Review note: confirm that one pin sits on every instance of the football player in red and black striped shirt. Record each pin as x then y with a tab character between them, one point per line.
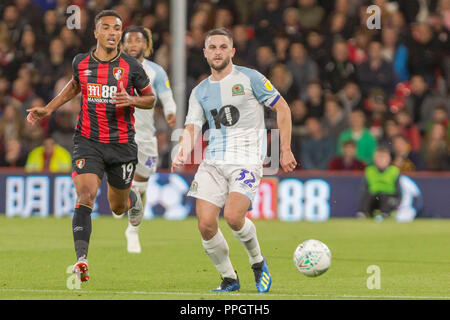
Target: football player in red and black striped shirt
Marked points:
104	134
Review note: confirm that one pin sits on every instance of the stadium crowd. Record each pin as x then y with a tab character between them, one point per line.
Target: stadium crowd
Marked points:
350	88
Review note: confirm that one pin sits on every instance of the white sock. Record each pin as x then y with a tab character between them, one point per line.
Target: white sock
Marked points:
133	228
247	236
217	250
140	186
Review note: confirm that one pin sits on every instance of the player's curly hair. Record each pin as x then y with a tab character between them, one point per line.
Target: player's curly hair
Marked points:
147	35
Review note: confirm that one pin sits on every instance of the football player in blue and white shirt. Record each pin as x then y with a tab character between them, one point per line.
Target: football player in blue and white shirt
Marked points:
232	101
137	42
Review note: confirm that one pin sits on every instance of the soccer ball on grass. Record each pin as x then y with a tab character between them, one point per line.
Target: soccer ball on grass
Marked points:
312	258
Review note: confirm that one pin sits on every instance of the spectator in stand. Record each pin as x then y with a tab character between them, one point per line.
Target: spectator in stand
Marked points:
348	161
381	187
4	89
440	115
303	68
317	48
32	136
377	110
245	47
416	10
365	141
408	129
424	53
339	69
30	13
338	25
317	149
350	97
50	156
28	50
421	102
390	130
22	95
11	125
51	27
334	121
395	52
310	14
299	116
358	46
406	159
268	20
376	72
196	64
72	42
282	79
14	155
314	99
15	25
291	23
52	68
282	44
436	149
265	59
9	62
61	128
223	18
444	11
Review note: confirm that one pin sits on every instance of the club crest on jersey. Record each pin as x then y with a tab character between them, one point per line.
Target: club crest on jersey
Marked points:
237	90
118	73
80	163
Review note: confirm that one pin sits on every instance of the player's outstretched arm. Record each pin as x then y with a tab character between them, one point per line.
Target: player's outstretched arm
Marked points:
123	99
187	140
71	89
284	123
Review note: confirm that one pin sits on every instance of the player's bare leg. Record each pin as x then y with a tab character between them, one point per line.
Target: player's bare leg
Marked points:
125	200
86	186
216	247
244	230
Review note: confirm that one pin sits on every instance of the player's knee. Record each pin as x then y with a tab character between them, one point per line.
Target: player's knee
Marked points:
234	221
207	228
86	196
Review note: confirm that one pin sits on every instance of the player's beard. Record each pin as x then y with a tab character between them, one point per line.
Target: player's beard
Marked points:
220	67
139	55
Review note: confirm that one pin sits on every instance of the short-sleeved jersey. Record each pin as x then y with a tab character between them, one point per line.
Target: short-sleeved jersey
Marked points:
145	129
99	119
233	108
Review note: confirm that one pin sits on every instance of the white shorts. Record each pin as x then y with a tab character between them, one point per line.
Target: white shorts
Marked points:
147	161
214	182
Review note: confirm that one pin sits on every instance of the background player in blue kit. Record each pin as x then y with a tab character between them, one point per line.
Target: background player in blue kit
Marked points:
232	101
137	42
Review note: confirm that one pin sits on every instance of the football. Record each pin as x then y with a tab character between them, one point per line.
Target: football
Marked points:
312	258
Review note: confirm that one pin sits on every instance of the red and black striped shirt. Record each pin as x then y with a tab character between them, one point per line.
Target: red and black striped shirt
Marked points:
99	119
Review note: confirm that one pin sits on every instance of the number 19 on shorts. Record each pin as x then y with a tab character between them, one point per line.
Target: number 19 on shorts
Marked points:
127	172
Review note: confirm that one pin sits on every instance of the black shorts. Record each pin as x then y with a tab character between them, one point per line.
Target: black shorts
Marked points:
118	160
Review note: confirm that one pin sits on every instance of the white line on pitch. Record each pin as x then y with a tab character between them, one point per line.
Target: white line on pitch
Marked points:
268	295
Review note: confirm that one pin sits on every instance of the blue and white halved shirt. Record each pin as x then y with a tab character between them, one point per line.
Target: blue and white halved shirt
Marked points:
234	110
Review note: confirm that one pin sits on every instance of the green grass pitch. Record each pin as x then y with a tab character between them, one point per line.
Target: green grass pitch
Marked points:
35	253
